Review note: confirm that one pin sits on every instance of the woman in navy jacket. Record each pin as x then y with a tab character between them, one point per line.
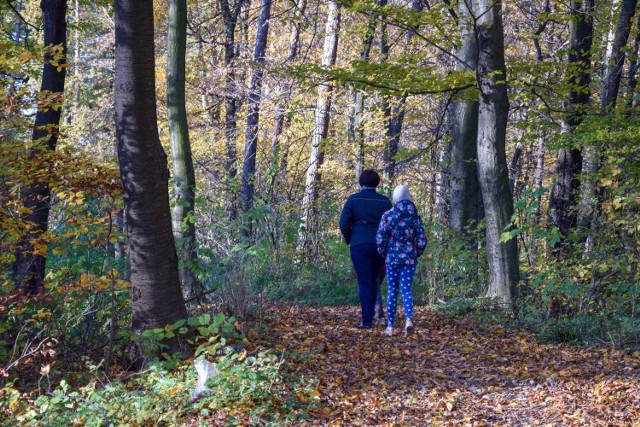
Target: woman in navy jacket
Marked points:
358	224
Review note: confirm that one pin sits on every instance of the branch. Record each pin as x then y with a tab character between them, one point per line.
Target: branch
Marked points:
401	90
424	38
17	12
200	295
437	136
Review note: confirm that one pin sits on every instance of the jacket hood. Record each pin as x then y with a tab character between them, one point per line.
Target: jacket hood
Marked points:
405	208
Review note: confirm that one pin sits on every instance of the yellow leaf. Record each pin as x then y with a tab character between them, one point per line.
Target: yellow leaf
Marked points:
58	251
45	370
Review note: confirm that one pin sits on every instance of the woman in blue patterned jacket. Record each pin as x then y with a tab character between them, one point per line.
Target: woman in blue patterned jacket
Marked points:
401	240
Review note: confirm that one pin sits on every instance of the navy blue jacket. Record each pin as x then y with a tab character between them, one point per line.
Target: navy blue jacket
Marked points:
361	216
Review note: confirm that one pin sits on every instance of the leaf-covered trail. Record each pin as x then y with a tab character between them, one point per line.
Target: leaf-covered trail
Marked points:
452	373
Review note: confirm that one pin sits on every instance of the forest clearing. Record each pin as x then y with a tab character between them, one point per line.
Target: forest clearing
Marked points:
211	212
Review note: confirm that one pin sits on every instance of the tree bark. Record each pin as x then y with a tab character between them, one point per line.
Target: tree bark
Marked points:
492	162
443	186
183	215
29	265
155	286
516	168
465	188
632	78
255	94
538	176
562	212
321	128
587	207
230	14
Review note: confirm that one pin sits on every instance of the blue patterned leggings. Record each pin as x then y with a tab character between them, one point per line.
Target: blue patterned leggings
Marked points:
399	276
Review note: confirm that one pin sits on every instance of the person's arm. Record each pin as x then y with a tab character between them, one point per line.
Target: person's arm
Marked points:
346	221
421	237
382	235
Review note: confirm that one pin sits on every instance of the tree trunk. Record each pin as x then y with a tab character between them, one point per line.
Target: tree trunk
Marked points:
255	94
538	176
632	78
516	168
321	127
492	162
278	156
119	252
587	207
230	15
29	265
394	115
184	227
562	213
155	286
355	131
443	186
465	187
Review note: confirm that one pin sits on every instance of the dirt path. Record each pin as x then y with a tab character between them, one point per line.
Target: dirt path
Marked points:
452	373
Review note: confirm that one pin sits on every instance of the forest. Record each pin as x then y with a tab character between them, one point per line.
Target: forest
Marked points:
172	177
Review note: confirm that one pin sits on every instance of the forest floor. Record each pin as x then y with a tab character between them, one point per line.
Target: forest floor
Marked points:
451	372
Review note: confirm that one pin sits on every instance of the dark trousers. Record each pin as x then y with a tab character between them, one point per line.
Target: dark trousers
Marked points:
367	263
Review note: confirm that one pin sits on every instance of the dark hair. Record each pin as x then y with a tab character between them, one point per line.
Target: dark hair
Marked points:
369	178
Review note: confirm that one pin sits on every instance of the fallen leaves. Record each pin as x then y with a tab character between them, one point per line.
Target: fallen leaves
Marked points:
451	373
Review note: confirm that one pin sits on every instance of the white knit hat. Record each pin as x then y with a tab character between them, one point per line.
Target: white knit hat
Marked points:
401	192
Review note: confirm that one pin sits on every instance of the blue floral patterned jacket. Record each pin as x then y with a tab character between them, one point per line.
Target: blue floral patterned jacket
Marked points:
400	237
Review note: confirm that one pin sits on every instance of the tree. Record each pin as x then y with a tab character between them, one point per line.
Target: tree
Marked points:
29	265
355	131
281	114
230	13
562	212
394	114
465	188
492	163
155	286
632	79
608	98
255	94
321	127
183	215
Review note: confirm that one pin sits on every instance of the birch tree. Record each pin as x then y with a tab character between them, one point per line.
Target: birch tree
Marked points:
321	126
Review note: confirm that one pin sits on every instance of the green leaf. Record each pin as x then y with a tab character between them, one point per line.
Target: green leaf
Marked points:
178	324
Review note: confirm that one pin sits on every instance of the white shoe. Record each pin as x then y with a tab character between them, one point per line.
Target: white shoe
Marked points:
389	332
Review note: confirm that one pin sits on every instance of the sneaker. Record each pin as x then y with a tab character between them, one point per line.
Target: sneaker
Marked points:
389	332
409	328
363	326
380	321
